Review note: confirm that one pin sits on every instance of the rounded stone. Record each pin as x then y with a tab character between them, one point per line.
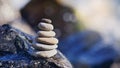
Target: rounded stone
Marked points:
46	20
50	41
45	54
45	26
44	47
46	33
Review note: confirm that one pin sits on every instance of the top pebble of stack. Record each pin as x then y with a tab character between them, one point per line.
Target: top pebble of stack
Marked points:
46	20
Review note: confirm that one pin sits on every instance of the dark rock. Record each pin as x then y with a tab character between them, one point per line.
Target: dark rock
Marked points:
15	48
63	18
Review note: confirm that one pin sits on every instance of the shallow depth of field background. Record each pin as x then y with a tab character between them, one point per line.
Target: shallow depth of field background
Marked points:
88	30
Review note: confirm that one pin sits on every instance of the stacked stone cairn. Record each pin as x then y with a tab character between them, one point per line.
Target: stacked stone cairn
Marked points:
45	42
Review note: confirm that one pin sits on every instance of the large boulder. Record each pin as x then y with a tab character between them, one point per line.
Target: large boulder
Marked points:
15	48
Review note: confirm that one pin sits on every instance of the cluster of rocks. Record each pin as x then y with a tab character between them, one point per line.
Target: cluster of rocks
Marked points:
21	50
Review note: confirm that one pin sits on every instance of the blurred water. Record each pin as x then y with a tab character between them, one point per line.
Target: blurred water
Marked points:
88	47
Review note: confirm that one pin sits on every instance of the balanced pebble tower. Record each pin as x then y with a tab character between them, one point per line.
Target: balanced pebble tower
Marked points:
45	43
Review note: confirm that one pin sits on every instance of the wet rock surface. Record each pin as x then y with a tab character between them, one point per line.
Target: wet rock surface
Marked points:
15	49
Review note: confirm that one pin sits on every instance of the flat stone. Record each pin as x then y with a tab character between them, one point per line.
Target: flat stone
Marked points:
45	26
46	20
50	41
46	33
45	54
44	47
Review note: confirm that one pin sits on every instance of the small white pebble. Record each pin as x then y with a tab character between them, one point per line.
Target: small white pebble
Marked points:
50	41
46	20
45	54
46	33
45	26
44	47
